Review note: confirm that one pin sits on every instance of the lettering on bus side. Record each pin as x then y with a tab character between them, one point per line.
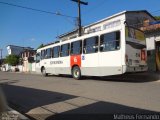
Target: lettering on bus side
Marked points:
56	62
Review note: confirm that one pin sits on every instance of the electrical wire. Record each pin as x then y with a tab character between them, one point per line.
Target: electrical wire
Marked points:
38	10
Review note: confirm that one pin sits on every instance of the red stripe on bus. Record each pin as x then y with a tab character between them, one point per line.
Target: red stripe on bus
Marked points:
75	60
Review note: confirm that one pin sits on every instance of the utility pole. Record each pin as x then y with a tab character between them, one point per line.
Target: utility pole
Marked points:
1	53
79	14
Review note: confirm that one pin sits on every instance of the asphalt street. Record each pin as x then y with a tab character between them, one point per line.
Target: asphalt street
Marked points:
45	97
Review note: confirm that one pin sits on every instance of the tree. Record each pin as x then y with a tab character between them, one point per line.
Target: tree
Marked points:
157	17
40	46
12	60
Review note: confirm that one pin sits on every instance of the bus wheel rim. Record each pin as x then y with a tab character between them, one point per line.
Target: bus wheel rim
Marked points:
44	71
76	73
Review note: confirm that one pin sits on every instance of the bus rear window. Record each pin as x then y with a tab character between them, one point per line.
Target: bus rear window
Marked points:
134	33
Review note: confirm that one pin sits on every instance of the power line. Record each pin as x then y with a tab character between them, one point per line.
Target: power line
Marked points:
96	6
38	10
155	11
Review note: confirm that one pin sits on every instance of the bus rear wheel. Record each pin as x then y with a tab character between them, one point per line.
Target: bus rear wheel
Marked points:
44	72
76	73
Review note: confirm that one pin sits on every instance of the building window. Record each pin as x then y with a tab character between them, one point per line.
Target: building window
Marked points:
65	50
55	52
76	47
90	45
110	41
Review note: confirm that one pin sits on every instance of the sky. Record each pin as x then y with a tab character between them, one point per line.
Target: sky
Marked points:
30	28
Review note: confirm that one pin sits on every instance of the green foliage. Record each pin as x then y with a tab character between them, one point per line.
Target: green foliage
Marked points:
12	60
40	46
157	17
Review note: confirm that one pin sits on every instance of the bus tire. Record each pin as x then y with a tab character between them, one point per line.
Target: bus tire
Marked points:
76	73
44	72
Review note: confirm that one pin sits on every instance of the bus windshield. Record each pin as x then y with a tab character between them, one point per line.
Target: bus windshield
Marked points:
134	35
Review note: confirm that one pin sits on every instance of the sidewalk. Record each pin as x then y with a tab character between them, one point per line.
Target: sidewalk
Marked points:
11	114
7	113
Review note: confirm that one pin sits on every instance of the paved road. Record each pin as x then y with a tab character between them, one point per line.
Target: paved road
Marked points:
46	97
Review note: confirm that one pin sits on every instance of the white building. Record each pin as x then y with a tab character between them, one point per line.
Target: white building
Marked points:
16	50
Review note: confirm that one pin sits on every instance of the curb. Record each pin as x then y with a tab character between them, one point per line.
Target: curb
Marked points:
15	113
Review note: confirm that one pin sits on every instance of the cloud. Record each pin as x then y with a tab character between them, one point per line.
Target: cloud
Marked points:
32	39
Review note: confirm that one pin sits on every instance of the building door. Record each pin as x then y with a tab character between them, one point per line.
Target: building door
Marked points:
158	55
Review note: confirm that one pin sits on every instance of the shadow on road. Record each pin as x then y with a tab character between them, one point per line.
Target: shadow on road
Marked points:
132	77
99	111
26	99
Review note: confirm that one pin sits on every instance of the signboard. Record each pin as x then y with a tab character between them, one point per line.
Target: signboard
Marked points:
150	42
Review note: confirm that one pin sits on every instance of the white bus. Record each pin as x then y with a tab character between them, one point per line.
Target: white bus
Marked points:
111	51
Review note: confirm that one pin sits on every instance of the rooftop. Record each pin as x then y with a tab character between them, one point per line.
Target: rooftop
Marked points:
20	47
151	27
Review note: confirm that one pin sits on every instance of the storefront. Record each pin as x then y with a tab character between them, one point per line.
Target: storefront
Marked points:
152	32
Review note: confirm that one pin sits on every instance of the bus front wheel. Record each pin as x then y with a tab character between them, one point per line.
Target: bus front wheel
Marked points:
76	73
44	72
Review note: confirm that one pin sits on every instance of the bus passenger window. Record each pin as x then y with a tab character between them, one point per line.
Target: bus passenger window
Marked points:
90	45
48	53
42	54
65	50
55	52
110	41
37	57
76	47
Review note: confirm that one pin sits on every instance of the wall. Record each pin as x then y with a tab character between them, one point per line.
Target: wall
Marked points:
33	67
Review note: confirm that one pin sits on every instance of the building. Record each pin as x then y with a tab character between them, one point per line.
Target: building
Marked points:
16	50
152	31
27	58
132	18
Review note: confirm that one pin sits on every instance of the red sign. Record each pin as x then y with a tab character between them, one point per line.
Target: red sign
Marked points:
143	55
75	60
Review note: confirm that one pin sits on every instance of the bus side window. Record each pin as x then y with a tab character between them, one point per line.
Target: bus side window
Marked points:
76	47
42	54
90	45
48	53
55	51
65	50
37	57
110	41
51	52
